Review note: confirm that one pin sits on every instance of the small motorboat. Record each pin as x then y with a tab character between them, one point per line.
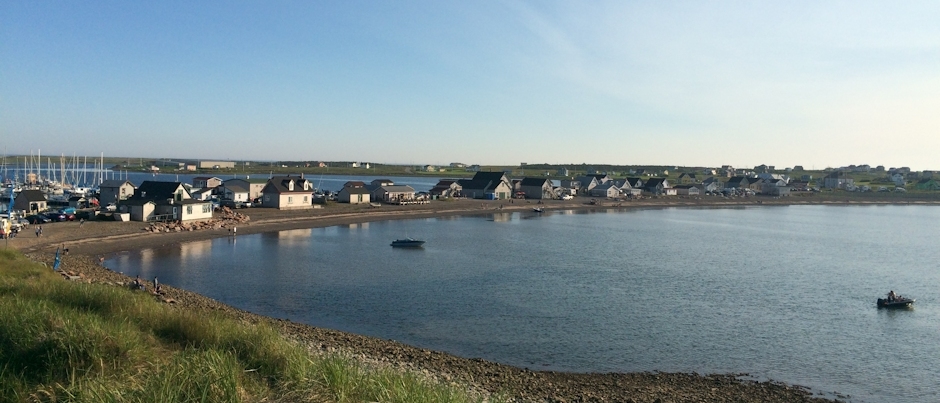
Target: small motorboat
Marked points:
407	243
895	301
538	209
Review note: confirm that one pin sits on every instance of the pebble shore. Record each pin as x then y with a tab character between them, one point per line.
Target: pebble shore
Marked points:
89	243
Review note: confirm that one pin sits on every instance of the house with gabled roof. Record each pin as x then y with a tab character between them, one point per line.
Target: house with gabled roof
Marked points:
114	191
587	182
656	186
688	190
608	189
487	185
712	184
687	177
166	201
287	193
30	201
393	194
204	182
536	188
235	192
446	188
737	182
353	194
253	185
633	182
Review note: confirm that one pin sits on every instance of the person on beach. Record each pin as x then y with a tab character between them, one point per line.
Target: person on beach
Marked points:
156	284
37	231
81	222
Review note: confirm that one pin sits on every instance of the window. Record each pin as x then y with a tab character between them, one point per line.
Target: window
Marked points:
290	199
206	208
189	209
305	199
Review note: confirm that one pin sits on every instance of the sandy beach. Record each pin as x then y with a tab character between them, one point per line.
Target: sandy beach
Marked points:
91	241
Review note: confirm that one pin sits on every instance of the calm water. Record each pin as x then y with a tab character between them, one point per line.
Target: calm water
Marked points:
785	293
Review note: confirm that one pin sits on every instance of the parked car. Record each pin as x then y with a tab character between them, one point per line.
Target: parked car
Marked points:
56	217
38	219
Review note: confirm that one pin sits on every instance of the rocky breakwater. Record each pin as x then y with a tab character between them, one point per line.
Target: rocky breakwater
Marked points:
225	219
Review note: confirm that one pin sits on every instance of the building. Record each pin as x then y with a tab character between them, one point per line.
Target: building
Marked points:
114	191
287	193
393	194
165	201
446	188
354	193
206	182
536	188
30	202
487	185
253	185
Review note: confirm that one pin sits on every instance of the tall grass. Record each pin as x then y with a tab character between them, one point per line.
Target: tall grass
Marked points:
74	342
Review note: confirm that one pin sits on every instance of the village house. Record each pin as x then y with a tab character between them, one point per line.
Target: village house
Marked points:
487	185
114	191
777	188
206	182
536	188
570	186
686	177
608	189
446	188
253	185
737	182
837	180
165	201
287	193
688	190
656	186
587	183
393	194
712	184
30	202
235	192
354	192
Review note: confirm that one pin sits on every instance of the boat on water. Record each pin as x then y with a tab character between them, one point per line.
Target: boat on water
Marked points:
407	243
538	209
895	301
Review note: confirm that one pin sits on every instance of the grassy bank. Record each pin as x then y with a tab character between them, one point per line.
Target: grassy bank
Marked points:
77	342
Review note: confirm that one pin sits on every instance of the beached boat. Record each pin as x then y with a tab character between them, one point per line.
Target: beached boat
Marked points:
538	209
897	302
407	243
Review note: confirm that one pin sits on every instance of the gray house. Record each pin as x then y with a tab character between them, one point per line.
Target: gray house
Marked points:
536	188
487	185
114	191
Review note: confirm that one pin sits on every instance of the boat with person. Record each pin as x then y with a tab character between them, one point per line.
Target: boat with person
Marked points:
895	301
407	243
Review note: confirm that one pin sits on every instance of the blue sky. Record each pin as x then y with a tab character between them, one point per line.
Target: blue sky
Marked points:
492	82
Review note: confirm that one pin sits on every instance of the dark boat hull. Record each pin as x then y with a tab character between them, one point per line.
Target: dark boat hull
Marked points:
901	303
407	243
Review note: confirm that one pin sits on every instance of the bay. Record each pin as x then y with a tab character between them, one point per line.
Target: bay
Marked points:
779	292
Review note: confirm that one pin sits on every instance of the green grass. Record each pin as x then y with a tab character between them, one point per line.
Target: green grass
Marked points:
63	341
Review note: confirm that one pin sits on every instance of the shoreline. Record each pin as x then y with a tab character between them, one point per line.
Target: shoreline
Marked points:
88	244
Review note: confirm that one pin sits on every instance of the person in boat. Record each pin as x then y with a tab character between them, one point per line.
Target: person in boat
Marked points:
892	296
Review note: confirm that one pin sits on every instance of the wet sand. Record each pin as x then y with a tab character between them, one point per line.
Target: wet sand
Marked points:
90	242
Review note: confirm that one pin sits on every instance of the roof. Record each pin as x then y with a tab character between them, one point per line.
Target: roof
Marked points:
157	190
355	190
534	181
634	182
114	183
653	182
279	184
204	178
258	181
490	176
397	188
468	184
236	188
31	195
357	184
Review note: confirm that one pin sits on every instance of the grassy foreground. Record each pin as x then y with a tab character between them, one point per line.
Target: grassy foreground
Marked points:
65	341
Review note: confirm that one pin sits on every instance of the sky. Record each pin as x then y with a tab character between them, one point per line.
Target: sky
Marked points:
686	83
